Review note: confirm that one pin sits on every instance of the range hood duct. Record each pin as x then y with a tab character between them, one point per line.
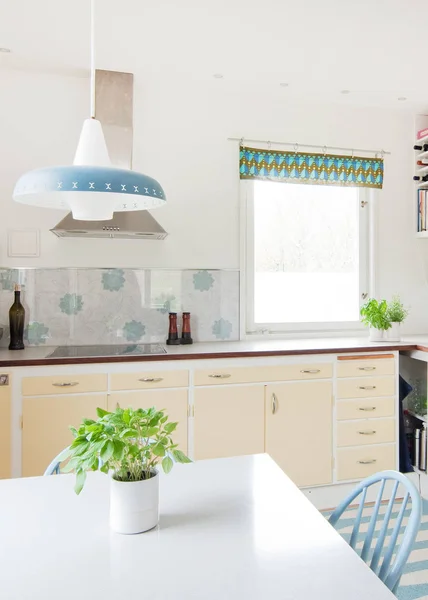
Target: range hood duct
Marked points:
114	109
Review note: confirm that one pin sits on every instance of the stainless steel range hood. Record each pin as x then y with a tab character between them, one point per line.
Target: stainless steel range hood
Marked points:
114	109
124	225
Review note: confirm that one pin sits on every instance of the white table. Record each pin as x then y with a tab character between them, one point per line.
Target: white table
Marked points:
233	528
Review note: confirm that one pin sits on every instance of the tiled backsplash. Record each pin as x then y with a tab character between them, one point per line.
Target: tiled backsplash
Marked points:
104	306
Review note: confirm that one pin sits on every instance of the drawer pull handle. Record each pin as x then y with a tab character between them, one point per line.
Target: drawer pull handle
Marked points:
367	387
220	375
367	368
312	371
274	403
370	461
370	432
151	379
367	408
66	384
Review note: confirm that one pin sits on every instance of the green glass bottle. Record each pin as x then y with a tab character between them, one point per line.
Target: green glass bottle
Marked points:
16	322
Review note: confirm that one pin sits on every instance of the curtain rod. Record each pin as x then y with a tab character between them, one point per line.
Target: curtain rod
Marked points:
297	146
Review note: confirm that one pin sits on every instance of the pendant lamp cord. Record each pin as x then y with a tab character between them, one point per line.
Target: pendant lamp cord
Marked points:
92	59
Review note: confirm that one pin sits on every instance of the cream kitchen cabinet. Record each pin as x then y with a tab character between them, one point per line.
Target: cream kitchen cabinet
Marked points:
45	426
299	430
229	421
174	402
5	425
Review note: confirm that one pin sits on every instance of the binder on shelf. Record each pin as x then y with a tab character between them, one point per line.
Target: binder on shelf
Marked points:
422	198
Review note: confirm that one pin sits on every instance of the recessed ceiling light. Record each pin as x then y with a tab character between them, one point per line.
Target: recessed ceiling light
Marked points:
5	50
218	76
401	98
345	92
284	84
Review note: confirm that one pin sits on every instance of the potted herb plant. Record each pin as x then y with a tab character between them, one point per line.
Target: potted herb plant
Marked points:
129	445
375	314
396	315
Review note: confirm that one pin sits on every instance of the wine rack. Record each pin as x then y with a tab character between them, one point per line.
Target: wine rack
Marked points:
420	176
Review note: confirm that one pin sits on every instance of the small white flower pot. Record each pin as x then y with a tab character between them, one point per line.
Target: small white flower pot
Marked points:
134	505
376	335
393	334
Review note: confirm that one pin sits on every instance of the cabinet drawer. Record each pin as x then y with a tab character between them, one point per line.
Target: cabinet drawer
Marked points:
261	374
357	463
368	431
366	368
64	384
367	387
363	409
145	380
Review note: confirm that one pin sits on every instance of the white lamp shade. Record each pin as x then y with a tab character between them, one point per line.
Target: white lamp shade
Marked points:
91	188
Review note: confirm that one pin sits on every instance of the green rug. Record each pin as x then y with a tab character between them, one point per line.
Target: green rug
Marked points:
414	581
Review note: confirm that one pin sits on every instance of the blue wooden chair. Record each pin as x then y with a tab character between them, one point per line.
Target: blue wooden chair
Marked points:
385	547
54	467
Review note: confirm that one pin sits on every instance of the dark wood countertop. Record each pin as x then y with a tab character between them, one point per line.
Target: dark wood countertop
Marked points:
38	356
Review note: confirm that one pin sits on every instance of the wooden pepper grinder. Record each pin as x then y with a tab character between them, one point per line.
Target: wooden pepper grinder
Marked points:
173	339
186	336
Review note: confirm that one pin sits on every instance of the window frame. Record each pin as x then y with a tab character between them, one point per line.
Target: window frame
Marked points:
366	198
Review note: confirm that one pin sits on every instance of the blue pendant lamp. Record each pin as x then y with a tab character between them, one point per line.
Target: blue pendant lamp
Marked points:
91	188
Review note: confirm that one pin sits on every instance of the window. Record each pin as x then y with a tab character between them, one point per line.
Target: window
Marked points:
306	253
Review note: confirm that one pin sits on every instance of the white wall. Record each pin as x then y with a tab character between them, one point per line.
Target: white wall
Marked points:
180	135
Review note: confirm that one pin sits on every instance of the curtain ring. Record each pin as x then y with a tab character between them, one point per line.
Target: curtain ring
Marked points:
382	154
269	145
324	150
296	147
376	154
352	153
241	142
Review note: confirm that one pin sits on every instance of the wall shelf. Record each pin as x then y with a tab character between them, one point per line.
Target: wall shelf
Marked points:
421	187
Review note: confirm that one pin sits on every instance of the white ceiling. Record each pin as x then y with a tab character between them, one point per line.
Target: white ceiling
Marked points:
377	49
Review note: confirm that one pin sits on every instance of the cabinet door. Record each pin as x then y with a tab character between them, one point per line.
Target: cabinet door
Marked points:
5	426
174	402
299	430
229	421
45	426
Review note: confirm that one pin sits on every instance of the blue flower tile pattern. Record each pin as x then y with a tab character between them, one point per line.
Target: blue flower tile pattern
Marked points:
133	331
109	305
71	304
222	329
8	279
164	303
36	333
113	279
203	281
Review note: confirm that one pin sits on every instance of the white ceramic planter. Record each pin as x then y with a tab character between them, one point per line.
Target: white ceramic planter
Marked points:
134	505
393	334
376	335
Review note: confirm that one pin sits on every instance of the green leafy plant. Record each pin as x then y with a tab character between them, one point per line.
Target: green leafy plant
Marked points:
128	442
375	314
396	311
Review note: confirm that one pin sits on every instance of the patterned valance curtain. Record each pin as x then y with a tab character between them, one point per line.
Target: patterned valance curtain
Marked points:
302	167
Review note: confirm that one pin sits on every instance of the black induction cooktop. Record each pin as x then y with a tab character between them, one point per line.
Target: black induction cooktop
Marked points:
107	350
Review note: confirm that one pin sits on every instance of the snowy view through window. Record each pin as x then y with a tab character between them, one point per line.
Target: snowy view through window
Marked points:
306	253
